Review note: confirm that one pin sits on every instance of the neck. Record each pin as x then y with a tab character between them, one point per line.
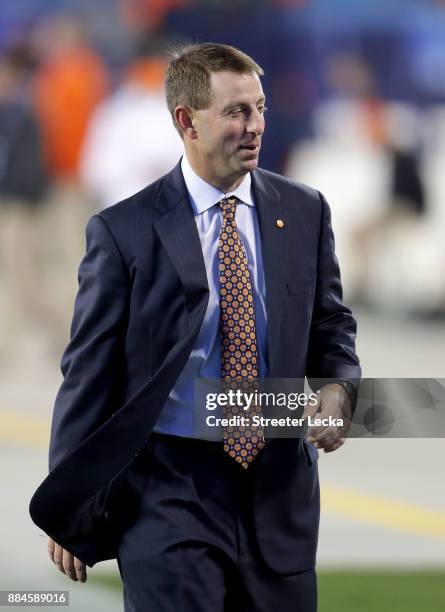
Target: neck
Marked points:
225	184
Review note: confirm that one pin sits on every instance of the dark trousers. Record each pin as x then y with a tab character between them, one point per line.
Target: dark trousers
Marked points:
192	547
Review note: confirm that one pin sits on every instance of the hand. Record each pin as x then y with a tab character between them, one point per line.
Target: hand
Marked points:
333	401
66	562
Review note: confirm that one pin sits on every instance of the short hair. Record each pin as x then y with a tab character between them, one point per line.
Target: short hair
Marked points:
187	81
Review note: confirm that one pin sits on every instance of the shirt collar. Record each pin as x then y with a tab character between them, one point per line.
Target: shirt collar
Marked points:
203	195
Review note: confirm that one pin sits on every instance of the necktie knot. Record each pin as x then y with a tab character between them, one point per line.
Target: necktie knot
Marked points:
228	207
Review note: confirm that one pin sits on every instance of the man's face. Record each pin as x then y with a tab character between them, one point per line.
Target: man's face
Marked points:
228	133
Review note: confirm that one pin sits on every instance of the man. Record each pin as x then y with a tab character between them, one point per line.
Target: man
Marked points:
23	188
197	524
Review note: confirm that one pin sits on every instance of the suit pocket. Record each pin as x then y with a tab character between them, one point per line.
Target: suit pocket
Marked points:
295	287
310	451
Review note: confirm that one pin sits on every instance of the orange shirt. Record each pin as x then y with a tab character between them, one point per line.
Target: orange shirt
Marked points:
65	92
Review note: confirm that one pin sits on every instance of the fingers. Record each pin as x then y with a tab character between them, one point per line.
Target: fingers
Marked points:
51	546
311	410
80	569
58	555
328	436
328	439
332	423
67	563
327	442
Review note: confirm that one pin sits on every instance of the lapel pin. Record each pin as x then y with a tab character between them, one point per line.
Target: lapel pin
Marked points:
280	223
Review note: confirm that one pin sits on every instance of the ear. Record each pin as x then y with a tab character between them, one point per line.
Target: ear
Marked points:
184	118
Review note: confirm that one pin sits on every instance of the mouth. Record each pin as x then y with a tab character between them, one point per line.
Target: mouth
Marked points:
251	147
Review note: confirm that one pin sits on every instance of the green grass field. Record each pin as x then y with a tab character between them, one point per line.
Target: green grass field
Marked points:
364	591
378	591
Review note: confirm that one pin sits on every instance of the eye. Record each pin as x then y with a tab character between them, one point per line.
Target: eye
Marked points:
262	109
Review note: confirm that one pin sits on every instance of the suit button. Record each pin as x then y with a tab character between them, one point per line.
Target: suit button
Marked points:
280	223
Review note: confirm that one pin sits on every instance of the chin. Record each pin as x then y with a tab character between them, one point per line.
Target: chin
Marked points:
249	164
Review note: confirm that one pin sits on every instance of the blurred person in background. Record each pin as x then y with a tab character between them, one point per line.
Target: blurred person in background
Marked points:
130	139
23	185
345	158
70	80
367	154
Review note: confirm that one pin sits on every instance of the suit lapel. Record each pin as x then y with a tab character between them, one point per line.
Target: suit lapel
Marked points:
267	200
177	230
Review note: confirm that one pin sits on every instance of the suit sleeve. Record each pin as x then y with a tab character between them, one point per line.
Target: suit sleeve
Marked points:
333	328
90	363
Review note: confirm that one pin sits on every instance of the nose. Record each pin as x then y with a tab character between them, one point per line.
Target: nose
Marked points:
255	124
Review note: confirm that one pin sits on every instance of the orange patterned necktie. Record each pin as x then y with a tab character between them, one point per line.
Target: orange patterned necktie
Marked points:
239	346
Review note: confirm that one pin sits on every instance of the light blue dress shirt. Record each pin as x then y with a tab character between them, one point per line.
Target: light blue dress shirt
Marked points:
205	359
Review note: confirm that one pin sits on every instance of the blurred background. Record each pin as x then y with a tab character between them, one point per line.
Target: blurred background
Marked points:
356	109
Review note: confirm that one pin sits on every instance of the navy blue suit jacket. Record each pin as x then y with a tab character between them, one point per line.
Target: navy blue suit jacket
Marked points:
142	297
